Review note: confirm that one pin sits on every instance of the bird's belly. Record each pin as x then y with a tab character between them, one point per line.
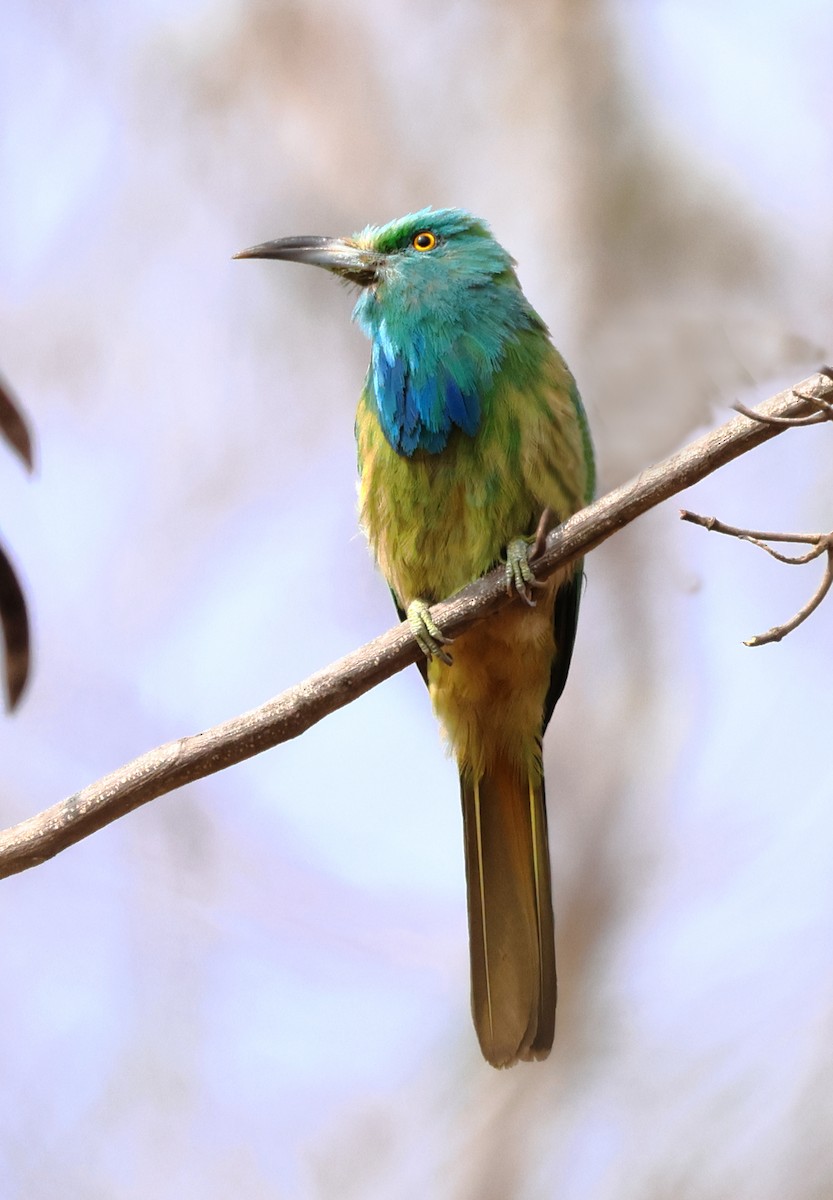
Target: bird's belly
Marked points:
432	540
491	700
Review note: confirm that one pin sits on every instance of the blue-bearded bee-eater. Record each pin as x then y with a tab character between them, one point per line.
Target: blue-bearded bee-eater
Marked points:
469	428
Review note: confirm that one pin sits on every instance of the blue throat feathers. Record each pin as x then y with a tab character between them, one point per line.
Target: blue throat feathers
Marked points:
439	326
418	407
428	378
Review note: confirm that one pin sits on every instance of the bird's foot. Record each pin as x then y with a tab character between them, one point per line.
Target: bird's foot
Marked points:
429	637
520	578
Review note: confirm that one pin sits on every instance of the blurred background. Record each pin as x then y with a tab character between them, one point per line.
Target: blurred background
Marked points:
258	986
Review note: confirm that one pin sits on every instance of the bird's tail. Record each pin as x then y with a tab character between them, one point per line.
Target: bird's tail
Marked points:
511	937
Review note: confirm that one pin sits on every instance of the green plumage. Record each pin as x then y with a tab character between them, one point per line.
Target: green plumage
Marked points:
468	427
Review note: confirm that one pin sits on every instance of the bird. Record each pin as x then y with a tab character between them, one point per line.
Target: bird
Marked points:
471	438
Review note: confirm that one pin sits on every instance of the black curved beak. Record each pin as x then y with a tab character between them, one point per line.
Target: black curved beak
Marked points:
339	255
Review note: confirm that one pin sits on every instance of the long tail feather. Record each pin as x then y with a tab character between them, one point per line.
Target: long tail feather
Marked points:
513	987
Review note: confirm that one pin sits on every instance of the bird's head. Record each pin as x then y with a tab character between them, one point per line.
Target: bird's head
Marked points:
440	302
429	258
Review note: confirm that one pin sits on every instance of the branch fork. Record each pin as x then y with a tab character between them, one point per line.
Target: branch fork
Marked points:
819	543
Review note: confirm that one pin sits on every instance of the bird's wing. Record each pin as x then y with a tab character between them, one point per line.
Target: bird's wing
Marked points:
565	619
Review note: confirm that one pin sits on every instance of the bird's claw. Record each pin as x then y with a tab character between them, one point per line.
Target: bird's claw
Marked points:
520	578
429	637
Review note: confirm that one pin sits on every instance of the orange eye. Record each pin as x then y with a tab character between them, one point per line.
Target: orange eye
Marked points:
424	240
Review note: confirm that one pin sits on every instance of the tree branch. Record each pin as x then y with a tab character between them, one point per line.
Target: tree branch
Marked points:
819	543
189	758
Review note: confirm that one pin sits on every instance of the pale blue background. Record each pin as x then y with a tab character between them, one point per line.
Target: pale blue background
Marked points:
258	986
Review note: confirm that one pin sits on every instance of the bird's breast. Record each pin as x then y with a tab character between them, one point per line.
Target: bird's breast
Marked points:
437	521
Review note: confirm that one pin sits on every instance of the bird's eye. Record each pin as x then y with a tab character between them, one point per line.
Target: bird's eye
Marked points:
425	240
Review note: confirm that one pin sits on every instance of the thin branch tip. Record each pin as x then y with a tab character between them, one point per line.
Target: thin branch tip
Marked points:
819	544
821	403
694	518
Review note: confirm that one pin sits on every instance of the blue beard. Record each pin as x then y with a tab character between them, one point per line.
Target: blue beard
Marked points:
418	411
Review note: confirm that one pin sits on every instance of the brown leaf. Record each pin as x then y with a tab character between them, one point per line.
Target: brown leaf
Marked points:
13	425
15	626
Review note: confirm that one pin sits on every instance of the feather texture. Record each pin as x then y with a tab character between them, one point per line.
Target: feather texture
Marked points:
468	427
439	508
511	943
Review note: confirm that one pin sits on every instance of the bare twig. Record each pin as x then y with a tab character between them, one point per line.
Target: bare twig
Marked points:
170	766
819	543
824	409
817	418
545	526
780	631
